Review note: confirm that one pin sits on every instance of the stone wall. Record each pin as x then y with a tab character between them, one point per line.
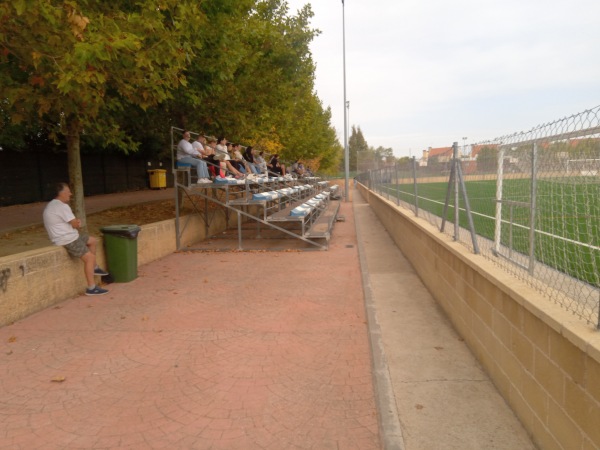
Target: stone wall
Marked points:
544	362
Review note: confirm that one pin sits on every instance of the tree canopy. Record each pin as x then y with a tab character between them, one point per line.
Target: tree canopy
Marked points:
119	74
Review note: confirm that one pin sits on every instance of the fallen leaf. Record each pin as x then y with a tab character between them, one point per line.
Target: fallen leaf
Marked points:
145	318
439	348
58	379
417	406
12	339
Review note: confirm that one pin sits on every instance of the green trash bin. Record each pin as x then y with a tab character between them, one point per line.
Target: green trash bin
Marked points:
120	243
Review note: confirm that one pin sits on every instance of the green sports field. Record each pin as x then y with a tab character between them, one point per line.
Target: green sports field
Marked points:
567	218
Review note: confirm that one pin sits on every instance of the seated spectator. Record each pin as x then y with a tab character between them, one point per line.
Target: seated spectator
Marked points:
234	161
260	162
298	169
200	146
62	228
186	153
250	160
222	155
274	165
237	155
209	144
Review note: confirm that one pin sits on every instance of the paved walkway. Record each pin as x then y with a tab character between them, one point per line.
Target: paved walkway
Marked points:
253	350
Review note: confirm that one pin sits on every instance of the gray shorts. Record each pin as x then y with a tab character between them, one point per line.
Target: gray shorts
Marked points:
78	247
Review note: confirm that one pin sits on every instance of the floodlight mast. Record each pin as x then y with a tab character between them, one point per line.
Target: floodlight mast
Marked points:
346	151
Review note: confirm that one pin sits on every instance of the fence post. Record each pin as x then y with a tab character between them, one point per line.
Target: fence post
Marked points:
533	206
414	171
397	185
386	178
499	181
456	197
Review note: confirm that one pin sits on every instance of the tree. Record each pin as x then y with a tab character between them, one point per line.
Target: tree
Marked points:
487	159
74	67
386	154
357	145
118	74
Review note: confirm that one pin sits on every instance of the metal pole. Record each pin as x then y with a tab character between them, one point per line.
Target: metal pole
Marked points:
456	211
397	184
499	181
414	170
533	206
346	152
467	208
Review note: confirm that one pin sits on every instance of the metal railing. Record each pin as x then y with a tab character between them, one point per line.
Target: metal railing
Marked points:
533	200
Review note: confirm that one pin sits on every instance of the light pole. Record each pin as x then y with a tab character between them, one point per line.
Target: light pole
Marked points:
346	158
348	110
464	141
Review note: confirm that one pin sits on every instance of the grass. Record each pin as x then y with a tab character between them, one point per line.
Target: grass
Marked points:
567	218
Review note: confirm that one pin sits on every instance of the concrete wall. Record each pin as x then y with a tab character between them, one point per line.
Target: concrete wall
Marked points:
37	279
545	362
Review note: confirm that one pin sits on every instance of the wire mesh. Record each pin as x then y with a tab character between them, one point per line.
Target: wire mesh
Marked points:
535	203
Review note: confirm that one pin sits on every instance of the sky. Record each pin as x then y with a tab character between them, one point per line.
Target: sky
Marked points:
427	73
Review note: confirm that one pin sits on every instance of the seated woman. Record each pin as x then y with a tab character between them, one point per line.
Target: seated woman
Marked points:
236	162
250	162
214	163
222	155
274	165
260	162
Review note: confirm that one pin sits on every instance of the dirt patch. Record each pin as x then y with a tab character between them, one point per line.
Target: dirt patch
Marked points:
35	237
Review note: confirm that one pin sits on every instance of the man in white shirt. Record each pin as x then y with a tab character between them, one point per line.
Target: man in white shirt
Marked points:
186	153
62	227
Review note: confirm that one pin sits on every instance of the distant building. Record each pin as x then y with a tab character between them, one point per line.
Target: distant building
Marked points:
439	154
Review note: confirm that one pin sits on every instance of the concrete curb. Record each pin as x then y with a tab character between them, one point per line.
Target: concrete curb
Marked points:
389	421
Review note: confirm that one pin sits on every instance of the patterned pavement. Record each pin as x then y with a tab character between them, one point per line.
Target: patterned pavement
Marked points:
253	350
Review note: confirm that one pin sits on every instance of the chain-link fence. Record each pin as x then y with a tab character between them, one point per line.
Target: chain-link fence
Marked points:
534	203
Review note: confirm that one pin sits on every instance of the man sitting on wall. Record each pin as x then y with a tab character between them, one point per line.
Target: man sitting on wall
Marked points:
62	227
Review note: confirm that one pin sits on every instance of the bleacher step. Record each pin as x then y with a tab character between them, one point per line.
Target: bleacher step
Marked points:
321	229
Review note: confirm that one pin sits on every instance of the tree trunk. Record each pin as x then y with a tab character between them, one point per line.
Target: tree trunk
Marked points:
74	165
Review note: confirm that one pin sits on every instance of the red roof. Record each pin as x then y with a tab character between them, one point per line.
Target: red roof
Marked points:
440	151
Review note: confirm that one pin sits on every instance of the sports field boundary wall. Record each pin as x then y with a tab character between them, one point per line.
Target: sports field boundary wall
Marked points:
544	361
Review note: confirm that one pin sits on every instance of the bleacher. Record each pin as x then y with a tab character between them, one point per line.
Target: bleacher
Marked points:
293	208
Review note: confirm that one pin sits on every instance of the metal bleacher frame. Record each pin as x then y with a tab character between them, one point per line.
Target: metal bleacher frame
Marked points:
280	196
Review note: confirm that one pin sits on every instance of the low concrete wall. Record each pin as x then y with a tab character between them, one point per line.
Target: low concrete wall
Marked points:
544	362
37	279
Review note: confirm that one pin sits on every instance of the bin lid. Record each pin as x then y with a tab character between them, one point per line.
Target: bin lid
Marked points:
126	231
158	170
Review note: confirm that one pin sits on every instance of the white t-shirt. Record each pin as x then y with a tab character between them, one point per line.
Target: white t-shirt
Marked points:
185	148
221	153
198	147
57	216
